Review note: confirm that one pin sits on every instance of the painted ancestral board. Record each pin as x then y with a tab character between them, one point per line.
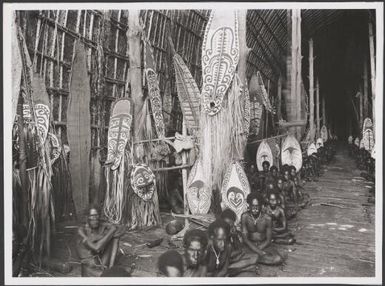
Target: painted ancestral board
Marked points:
119	132
154	92
143	182
235	188
264	154
291	152
220	55
324	133
368	139
311	149
319	143
257	103
188	94
198	194
79	128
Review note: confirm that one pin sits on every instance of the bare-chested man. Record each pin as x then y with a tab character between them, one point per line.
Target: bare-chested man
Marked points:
257	231
97	244
277	214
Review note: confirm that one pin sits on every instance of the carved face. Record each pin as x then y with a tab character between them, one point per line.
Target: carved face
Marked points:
235	197
143	182
198	197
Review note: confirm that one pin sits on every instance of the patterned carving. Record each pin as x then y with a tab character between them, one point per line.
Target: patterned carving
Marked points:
55	147
264	154
235	188
188	94
118	132
368	139
291	152
246	105
220	55
143	181
367	124
154	92
198	194
42	114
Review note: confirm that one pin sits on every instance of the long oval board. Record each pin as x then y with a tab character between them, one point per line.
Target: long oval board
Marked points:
324	133
311	149
368	139
118	131
291	152
79	128
198	194
264	154
220	55
319	143
235	188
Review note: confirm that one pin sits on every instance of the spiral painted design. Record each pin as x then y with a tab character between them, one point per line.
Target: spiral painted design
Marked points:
143	182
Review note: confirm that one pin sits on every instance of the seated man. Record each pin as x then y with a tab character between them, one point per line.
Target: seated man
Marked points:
289	187
280	232
264	175
257	231
282	201
170	264
194	243
97	244
241	263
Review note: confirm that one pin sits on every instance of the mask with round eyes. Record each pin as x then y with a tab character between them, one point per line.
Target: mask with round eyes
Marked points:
143	181
235	197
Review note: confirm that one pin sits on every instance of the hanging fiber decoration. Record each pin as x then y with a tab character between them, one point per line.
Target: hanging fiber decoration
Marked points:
291	152
188	94
119	132
143	198
235	189
220	55
154	92
79	128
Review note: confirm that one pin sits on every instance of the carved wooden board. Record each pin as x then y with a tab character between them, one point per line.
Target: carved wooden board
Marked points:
220	55
264	154
311	149
198	194
368	139
291	152
143	181
119	132
79	128
235	188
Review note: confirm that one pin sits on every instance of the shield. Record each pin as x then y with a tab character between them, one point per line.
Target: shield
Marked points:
368	139
291	152
264	154
324	133
118	132
143	181
311	149
198	194
220	55
235	188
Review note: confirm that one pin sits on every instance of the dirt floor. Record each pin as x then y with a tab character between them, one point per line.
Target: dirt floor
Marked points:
335	233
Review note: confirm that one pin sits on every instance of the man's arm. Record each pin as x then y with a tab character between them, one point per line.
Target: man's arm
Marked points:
245	237
269	226
100	244
283	221
223	271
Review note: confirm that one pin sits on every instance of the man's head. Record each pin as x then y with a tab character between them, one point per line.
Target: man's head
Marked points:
252	168
273	200
270	186
219	232
195	243
280	183
286	175
266	166
93	217
293	171
170	264
255	202
229	216
274	171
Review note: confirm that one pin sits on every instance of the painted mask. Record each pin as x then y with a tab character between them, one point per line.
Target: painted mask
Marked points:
143	181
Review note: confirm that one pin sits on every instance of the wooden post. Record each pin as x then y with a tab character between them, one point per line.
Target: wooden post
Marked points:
311	88
365	93
279	98
324	111
372	70
317	106
361	103
135	74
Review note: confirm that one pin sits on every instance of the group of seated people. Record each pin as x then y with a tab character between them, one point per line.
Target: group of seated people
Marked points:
364	161
225	251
